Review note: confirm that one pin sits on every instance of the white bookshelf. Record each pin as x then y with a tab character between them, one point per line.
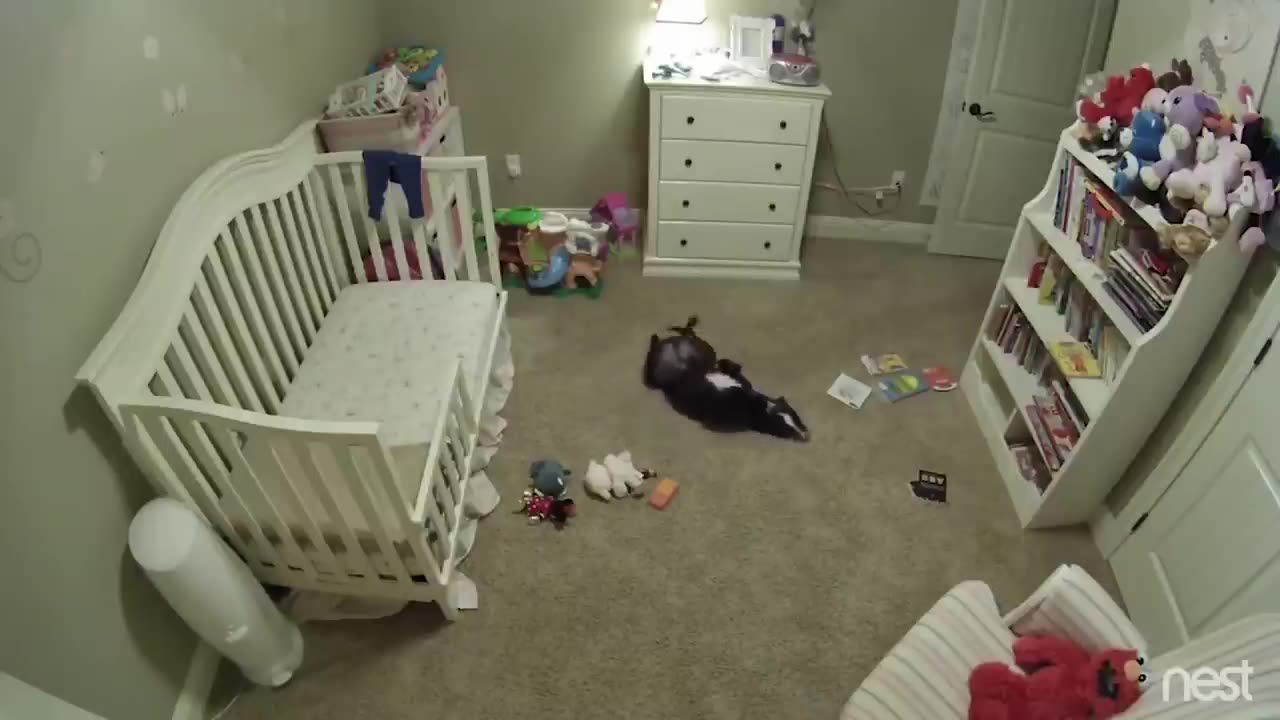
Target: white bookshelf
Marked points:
1122	412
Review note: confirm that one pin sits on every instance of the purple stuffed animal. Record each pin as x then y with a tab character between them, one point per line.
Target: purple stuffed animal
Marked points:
1184	110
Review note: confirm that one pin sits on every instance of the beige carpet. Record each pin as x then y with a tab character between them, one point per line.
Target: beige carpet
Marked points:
781	573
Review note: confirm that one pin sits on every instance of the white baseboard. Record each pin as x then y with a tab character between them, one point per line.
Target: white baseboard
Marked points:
194	698
868	229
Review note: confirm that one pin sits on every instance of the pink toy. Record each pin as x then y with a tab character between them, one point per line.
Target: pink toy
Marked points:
613	209
1218	171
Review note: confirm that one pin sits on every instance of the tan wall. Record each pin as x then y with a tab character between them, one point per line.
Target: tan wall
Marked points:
79	620
558	81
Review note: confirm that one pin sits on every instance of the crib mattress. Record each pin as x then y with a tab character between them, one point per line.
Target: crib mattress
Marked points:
381	353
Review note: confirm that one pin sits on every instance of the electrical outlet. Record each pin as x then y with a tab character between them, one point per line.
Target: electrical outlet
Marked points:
898	179
513	166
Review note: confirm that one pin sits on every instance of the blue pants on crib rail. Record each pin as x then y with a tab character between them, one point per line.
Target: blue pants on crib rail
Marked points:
381	166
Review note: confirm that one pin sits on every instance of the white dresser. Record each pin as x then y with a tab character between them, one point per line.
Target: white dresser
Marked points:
729	170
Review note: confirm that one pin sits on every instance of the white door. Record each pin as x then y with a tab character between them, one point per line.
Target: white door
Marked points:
1208	553
1028	58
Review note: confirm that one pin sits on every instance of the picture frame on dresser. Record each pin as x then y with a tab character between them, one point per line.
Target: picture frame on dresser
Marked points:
730	168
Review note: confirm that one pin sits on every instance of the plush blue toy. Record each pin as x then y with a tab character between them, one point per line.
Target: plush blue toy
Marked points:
1143	136
549	478
1141	142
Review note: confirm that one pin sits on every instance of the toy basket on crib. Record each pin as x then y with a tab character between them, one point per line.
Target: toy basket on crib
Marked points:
379	92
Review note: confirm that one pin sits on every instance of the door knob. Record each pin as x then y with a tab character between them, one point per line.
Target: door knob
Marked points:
975	109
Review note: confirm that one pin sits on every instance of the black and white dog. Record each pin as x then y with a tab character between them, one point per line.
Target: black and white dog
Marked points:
713	391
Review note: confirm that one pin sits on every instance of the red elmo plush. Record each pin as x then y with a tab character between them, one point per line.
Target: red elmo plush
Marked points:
1120	99
1062	682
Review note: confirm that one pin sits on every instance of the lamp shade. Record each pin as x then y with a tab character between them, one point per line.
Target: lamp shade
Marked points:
689	12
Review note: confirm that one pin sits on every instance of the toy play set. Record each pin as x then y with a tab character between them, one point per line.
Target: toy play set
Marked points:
548	253
1177	148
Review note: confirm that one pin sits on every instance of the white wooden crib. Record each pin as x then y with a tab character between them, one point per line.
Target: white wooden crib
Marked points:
325	425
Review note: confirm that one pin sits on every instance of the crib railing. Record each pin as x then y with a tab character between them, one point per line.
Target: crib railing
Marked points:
315	505
273	273
194	371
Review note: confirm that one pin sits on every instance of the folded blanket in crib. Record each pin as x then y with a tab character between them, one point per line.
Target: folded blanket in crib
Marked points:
405	170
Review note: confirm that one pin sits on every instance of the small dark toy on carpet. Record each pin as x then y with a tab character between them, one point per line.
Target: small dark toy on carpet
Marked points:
714	392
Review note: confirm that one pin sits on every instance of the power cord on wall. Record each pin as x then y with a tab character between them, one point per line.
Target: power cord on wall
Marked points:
849	194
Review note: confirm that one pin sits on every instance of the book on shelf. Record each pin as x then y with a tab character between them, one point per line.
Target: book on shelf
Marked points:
1075	360
1061	435
1030	464
1112	235
1040	433
1070	405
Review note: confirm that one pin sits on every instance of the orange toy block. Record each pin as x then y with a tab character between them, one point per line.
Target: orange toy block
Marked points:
663	493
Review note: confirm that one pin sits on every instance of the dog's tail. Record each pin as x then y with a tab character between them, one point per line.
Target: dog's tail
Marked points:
687	328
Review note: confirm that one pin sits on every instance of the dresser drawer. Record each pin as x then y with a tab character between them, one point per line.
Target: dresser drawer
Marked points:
700	117
730	202
724	241
732	161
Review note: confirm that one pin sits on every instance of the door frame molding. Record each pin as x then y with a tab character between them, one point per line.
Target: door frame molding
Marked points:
1111	530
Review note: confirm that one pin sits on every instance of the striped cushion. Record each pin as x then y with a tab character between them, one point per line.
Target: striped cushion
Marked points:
926	674
1071	604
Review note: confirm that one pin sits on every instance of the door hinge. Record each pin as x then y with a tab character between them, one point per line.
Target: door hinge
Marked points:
1266	347
1138	524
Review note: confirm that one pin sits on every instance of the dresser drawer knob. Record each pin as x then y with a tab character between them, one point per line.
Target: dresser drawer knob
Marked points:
685	203
777	166
689	120
688	162
772	207
768	245
783	124
683	242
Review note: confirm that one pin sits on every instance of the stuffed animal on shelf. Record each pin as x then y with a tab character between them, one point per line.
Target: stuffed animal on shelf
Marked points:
1257	196
1218	171
1120	99
1062	681
1178	75
1190	238
1141	142
1184	112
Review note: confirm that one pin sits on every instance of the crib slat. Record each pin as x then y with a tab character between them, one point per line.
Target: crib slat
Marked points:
282	300
419	228
370	229
397	244
245	332
360	490
321	485
440	220
299	226
207	360
414	535
278	340
322	221
292	268
490	231
192	383
462	181
308	275
338	192
240	464
207	307
161	431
